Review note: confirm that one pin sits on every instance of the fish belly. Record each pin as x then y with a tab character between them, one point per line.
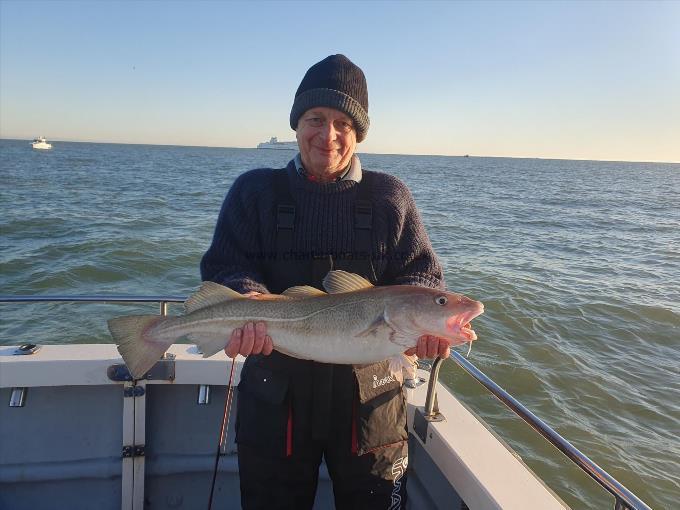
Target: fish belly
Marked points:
336	347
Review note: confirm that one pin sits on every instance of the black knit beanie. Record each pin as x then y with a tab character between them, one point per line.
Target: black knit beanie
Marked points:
337	83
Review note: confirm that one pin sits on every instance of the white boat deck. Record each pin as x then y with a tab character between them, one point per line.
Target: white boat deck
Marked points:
460	460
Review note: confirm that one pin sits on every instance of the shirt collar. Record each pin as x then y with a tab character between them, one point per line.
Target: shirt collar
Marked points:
351	173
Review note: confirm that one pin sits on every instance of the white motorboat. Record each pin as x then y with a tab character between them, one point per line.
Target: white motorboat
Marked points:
77	432
274	143
41	143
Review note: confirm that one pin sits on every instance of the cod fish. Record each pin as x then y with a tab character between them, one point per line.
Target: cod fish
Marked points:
353	322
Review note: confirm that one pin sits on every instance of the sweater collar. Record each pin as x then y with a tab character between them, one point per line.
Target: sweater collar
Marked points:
351	173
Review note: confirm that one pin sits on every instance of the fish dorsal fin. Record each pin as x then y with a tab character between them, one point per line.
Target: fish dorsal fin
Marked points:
270	297
209	294
303	291
337	282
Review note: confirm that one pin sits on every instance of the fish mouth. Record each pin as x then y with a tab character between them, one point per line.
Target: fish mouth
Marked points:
460	326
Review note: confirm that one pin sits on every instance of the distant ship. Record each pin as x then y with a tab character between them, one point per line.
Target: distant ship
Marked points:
274	143
41	143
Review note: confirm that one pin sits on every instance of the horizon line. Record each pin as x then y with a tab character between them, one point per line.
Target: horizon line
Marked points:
365	152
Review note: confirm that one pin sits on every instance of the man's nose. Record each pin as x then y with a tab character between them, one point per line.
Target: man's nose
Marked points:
329	132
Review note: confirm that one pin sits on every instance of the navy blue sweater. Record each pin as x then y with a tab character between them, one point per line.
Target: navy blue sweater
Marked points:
246	230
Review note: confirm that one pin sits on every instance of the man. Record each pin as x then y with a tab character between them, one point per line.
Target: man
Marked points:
284	227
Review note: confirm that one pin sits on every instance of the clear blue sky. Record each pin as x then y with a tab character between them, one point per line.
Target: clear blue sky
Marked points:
571	80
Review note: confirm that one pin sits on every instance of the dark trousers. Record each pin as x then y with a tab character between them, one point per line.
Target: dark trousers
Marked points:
294	413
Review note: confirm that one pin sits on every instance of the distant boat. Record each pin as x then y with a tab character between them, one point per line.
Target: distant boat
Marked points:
41	143
273	143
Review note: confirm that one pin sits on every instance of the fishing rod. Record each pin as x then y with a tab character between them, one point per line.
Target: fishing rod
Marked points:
225	420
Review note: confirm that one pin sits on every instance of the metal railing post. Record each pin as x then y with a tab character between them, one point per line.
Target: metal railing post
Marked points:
431	405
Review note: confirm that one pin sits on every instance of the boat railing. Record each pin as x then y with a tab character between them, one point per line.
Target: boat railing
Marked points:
624	498
163	301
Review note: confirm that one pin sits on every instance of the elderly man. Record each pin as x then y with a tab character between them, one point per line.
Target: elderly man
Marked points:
284	227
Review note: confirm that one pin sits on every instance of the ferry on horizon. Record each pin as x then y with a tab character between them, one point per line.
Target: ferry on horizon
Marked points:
274	143
41	143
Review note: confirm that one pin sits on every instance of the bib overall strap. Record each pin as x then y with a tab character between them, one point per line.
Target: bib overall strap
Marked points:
285	213
363	226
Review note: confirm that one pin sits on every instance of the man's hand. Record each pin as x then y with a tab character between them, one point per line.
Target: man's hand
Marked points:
251	338
430	347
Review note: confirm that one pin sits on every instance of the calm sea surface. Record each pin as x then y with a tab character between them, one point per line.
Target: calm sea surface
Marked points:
577	263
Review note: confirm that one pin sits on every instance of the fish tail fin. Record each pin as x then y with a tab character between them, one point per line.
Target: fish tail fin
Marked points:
138	352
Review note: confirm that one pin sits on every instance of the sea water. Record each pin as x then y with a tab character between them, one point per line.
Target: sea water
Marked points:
577	263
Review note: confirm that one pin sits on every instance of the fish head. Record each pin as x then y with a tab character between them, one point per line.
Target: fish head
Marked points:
422	311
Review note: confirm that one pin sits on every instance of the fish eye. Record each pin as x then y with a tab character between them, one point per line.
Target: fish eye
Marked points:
441	300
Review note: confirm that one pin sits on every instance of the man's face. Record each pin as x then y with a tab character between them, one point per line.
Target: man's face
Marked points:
327	141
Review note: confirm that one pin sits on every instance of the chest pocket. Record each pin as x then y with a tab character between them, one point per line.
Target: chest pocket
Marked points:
380	408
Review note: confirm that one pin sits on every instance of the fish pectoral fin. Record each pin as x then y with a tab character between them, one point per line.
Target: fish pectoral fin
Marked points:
209	294
337	282
208	344
303	291
379	327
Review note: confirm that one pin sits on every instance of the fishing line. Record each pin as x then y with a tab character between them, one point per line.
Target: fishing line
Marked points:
225	420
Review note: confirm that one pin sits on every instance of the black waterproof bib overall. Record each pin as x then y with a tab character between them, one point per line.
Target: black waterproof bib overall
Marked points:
293	412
